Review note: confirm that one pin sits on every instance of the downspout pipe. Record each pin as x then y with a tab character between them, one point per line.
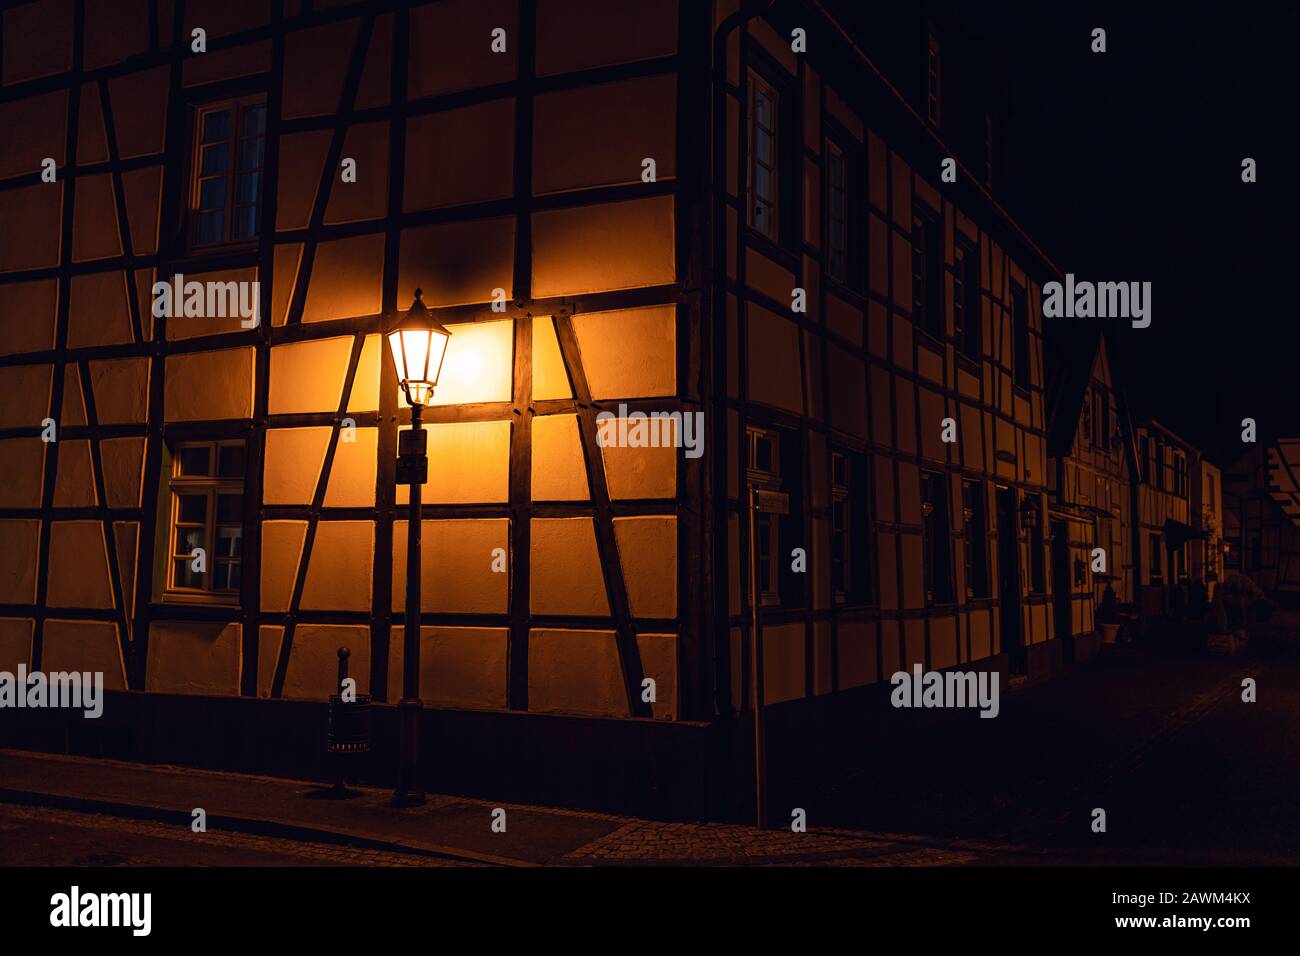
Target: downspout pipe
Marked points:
717	193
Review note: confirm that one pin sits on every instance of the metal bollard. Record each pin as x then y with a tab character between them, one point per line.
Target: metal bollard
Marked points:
349	725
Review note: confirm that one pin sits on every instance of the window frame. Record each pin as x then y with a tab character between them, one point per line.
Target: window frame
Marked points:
237	105
210	487
927	238
1021	367
936	541
933	81
759	82
768	572
967	317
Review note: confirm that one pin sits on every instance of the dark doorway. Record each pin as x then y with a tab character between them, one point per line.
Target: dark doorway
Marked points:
1009	581
1063	586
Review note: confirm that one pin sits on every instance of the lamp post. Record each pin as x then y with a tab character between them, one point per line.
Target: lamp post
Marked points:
419	344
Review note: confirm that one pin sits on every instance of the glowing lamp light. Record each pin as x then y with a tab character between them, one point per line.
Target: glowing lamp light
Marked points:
419	344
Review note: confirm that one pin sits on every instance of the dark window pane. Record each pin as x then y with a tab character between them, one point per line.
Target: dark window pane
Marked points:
212	226
194	461
229	541
250	153
184	577
250	187
227	576
192	509
232	461
216	159
216	126
762	181
230	509
212	193
254	120
245	222
188	539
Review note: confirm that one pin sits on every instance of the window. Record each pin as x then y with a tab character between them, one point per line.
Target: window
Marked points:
976	542
841	527
1085	419
837	213
1154	564
1180	474
932	81
764	471
1144	459
1037	564
966	321
936	542
1020	326
927	272
226	198
207	512
763	144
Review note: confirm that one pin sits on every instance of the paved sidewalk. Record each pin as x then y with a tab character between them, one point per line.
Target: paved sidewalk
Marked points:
452	828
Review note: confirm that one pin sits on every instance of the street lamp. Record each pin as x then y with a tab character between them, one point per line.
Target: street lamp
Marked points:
419	344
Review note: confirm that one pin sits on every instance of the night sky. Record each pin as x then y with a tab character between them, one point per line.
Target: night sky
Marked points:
1126	166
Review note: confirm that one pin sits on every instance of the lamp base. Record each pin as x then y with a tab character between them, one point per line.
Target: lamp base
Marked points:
408	793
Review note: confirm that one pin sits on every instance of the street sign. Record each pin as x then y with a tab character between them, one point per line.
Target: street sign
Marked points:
413	441
772	502
413	469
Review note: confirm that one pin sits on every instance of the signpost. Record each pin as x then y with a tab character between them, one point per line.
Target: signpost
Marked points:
761	501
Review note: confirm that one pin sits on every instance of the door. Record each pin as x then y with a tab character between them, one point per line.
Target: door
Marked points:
1009	581
1063	586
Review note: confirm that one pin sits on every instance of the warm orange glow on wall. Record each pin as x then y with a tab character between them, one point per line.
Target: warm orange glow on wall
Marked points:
477	366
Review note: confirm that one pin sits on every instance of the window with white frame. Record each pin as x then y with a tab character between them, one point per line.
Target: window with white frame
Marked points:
206	525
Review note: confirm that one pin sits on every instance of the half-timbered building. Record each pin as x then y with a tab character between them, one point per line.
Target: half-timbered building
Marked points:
1164	519
1090	444
1261	517
623	207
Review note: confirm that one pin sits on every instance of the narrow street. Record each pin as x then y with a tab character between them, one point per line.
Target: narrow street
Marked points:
1159	738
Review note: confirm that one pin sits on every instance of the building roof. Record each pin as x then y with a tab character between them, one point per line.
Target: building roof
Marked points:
1069	353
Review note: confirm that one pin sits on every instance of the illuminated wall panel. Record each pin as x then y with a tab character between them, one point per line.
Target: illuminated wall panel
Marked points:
16	642
191	657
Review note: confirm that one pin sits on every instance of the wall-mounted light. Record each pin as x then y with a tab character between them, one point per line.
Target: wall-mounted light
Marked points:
1029	513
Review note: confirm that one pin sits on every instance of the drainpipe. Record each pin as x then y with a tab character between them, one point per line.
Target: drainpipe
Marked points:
722	636
717	192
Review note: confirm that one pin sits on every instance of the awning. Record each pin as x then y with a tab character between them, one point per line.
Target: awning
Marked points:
1178	534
